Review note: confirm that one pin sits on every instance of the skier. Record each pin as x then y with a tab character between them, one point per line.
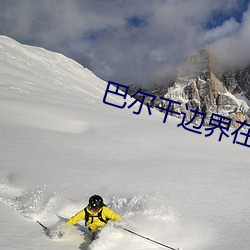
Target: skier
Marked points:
95	214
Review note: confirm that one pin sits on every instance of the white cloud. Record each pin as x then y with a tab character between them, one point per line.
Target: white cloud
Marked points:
98	34
233	50
228	28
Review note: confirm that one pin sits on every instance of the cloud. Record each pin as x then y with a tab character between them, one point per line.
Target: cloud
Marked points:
228	28
125	41
232	50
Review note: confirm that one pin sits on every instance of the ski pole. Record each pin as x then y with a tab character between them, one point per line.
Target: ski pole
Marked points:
45	228
146	238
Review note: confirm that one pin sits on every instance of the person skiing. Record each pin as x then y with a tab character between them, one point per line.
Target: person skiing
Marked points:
95	214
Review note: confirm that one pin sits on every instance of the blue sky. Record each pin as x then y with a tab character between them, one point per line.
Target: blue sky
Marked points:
132	41
218	17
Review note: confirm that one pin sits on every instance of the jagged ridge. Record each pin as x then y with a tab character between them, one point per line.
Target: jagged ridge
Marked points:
198	85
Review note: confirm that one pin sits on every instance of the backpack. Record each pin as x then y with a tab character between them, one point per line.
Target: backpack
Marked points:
88	216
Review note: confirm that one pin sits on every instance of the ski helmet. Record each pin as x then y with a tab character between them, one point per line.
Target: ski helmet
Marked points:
96	202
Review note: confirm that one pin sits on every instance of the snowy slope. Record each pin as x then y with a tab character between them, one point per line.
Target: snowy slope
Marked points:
60	144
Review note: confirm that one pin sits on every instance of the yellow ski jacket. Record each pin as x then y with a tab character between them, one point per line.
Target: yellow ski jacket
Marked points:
94	223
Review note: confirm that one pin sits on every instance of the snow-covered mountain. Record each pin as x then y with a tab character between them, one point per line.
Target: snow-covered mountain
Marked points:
199	84
60	144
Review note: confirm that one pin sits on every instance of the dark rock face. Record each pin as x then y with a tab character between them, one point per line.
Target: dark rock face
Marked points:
198	86
237	81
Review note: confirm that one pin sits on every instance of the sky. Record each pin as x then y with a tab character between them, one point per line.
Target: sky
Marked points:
133	41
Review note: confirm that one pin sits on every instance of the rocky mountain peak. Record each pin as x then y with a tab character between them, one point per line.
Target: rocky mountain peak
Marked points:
197	85
194	65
